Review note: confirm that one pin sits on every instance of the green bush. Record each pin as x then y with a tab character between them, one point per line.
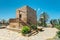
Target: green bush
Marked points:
57	26
25	30
33	27
58	34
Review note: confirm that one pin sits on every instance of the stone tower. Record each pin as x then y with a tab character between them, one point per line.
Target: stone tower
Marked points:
25	16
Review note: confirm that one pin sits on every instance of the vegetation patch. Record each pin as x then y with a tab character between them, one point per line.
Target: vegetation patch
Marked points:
58	34
25	30
33	27
58	27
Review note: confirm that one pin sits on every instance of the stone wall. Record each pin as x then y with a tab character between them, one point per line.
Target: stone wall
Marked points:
32	18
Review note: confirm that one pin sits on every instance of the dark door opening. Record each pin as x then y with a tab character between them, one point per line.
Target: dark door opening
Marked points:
20	16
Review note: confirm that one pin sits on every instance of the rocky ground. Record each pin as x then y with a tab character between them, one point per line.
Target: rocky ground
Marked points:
6	34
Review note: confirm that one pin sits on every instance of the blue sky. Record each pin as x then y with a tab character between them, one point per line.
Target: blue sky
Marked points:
51	7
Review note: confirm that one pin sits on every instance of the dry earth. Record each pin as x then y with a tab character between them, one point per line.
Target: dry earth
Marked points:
6	34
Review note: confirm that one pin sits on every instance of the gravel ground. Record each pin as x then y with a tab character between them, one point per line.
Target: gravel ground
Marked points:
12	35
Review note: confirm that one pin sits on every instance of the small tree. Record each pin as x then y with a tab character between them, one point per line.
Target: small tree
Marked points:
43	19
3	22
54	22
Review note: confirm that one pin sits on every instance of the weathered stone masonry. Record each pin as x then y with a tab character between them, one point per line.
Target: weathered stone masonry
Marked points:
24	16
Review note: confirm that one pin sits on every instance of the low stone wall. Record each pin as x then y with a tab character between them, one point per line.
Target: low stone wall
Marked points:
14	25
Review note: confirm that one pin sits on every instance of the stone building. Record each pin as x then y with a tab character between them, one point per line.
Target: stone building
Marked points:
24	16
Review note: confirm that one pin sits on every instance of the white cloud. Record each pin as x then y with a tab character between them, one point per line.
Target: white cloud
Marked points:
38	9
